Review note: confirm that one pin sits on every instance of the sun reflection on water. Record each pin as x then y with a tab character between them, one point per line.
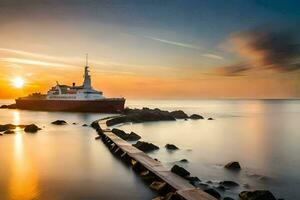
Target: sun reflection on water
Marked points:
23	183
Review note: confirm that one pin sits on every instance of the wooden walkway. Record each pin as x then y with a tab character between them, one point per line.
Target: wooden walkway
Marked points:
181	186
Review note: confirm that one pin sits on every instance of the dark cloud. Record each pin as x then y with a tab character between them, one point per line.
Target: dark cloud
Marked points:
264	49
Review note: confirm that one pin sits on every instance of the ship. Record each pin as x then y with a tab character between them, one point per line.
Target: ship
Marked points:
82	98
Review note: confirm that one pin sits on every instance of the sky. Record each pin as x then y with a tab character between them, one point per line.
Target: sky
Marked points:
153	49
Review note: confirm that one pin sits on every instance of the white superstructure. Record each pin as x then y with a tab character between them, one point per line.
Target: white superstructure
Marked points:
83	92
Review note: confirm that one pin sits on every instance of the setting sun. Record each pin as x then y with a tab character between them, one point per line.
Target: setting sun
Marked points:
18	82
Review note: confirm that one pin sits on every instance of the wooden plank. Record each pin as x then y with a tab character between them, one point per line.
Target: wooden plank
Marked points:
195	194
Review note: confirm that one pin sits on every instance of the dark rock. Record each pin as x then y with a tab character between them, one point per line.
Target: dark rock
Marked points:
84	125
140	115
228	198
133	136
194	180
257	195
1	134
6	127
229	184
145	146
59	122
9	131
158	185
120	133
95	125
210	118
171	147
213	193
221	187
74	123
184	161
233	166
11	106
179	114
180	171
32	128
195	116
98	137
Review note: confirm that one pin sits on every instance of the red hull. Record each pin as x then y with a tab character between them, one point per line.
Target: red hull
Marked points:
113	105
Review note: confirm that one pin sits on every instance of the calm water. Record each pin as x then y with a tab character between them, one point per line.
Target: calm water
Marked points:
65	162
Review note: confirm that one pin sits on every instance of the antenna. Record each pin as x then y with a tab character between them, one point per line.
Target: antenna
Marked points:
86	59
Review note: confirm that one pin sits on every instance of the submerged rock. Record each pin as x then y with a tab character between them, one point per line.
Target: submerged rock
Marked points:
84	125
59	122
228	198
229	184
145	146
9	131
210	118
6	127
180	171
171	147
31	128
184	161
95	125
213	193
233	166
11	106
257	195
195	116
179	114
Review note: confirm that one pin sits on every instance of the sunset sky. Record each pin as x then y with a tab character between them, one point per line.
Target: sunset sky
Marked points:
153	48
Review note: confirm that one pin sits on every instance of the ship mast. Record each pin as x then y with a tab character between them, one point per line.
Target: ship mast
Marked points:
87	77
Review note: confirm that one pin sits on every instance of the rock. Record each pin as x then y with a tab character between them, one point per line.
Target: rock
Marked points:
233	166
32	128
180	171
184	161
171	147
229	184
145	146
74	123
84	125
11	106
1	134
179	114
133	136
98	137
195	116
59	122
95	125
6	127
9	131
257	195
141	115
221	187
228	198
194	180
210	118
213	193
120	133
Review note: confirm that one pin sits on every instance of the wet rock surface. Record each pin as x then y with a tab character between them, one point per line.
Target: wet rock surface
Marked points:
9	132
179	114
195	116
234	165
145	146
180	171
59	122
229	184
31	128
11	106
122	134
171	147
183	161
257	195
213	193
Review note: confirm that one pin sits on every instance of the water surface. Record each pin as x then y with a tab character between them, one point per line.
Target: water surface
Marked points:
65	162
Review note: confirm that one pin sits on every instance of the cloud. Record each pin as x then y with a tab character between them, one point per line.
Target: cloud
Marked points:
213	56
34	62
188	46
264	49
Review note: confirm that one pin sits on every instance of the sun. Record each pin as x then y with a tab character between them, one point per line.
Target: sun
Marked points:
18	82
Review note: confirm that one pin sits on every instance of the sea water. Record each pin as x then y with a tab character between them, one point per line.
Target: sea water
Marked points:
66	162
